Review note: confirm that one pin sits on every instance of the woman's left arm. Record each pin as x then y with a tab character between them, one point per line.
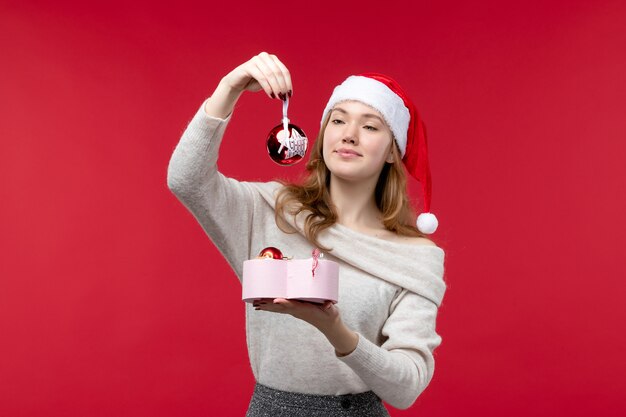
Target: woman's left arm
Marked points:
401	368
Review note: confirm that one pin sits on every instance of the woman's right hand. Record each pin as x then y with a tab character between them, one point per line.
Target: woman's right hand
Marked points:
263	71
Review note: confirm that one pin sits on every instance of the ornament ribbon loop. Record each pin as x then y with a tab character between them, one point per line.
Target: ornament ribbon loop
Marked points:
285	118
285	139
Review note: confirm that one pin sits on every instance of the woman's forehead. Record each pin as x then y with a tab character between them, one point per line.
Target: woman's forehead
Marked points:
356	108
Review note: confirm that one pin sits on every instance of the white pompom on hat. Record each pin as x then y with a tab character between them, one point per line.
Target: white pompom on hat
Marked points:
385	95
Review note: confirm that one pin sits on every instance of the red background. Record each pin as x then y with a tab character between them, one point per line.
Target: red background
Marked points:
114	302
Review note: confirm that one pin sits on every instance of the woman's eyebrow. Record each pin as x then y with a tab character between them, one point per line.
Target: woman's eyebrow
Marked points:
339	109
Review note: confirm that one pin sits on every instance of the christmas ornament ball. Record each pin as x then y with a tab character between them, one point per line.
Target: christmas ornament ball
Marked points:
287	149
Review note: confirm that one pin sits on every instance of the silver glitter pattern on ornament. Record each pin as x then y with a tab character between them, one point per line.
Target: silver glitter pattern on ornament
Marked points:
295	143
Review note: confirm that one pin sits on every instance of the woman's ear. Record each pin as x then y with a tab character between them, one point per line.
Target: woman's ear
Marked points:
394	152
390	157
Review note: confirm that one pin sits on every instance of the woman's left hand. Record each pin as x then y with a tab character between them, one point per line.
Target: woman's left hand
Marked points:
323	316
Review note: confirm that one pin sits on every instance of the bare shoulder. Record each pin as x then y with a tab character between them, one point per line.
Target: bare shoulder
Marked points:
421	241
411	240
407	240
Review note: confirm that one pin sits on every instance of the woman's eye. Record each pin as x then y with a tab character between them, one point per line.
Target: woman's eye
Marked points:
337	121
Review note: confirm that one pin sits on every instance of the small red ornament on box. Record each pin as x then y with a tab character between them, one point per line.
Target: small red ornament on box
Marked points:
271	253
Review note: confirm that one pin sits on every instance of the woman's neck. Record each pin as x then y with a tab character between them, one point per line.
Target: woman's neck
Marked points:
355	203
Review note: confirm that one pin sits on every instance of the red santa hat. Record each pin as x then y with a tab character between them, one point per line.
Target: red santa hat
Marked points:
385	95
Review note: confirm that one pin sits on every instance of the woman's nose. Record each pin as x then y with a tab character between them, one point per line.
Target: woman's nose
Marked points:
350	135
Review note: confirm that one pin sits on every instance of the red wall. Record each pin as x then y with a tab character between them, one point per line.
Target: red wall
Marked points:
114	302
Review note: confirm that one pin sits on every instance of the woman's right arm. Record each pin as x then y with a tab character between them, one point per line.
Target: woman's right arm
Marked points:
263	71
222	101
224	207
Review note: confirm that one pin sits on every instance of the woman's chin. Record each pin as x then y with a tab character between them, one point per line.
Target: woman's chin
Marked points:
348	175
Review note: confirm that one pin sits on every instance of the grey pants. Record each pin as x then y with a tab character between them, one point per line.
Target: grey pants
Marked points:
270	402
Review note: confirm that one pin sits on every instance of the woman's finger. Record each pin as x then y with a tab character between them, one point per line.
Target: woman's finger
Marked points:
286	74
268	74
276	72
258	75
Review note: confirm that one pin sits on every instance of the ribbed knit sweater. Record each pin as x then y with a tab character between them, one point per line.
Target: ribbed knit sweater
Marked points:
389	292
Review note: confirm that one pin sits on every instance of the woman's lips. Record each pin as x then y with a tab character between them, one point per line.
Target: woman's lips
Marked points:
347	153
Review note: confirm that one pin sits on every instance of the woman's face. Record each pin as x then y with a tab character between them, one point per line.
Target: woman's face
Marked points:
357	142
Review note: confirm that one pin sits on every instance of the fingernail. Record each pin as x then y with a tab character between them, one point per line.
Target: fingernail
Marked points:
289	93
282	96
273	95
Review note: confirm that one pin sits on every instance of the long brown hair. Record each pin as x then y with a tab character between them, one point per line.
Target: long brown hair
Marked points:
312	195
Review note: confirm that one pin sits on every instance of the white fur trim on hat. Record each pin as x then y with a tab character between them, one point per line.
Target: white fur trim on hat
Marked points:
377	95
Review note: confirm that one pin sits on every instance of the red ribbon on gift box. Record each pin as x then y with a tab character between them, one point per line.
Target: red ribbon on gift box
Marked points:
316	255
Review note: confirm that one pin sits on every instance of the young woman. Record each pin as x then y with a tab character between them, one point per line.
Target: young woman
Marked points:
376	344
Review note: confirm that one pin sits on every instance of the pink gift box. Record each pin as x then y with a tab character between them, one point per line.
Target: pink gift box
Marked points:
293	278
